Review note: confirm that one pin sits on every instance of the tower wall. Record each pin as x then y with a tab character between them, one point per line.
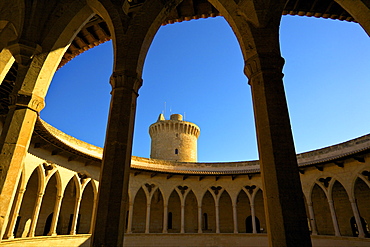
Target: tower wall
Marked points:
174	139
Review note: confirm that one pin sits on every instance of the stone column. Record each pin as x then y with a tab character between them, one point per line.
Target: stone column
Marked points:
283	197
200	219
147	220
75	216
18	127
165	218
93	215
235	218
182	217
253	215
217	217
35	215
312	218
109	226
17	207
130	214
361	233
334	218
54	221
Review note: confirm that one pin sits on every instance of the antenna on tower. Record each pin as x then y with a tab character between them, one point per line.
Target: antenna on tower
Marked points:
170	111
184	116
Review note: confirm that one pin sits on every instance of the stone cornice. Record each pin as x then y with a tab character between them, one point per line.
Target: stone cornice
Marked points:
349	149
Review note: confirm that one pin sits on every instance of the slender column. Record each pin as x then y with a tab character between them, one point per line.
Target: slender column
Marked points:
283	197
130	214
235	218
182	218
35	215
217	217
147	221
109	225
165	218
334	218
253	215
15	138
10	233
361	233
200	219
93	215
312	218
75	216
54	221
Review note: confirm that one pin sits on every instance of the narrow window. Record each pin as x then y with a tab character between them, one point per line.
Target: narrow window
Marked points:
176	151
169	221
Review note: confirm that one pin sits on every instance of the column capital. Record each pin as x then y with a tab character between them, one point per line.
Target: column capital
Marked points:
23	99
128	80
263	63
23	51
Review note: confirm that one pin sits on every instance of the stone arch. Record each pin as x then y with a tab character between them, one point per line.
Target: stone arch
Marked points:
191	212
324	223
51	191
362	197
156	211
33	187
208	212
359	10
342	207
174	207
86	209
67	207
226	213
139	214
243	209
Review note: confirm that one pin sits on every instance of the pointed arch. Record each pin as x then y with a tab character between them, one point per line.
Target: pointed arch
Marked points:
243	210
260	210
226	213
139	214
156	211
29	202
191	212
209	212
174	207
343	208
67	207
86	209
362	196
324	223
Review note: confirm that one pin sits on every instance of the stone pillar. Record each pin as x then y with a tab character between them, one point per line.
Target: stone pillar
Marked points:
109	226
182	217
165	218
312	218
235	218
217	217
360	228
24	108
17	207
147	220
253	215
283	197
200	219
75	216
93	215
334	218
54	221
130	214
35	215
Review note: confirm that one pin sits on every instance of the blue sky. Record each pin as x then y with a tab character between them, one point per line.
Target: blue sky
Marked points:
195	68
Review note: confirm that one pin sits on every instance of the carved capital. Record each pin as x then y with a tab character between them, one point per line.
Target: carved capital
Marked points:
27	100
127	80
263	63
23	51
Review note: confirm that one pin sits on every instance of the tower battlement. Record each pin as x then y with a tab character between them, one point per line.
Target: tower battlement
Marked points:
174	139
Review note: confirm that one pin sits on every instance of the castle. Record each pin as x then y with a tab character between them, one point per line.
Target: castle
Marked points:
68	191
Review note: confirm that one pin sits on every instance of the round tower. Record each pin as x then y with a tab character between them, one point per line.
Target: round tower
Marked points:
174	139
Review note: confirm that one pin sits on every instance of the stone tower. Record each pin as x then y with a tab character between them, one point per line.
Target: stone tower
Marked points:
174	139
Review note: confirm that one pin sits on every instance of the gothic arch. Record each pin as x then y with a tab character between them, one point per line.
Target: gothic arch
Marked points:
342	207
243	209
174	207
321	210
139	214
156	211
191	212
71	192
226	213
